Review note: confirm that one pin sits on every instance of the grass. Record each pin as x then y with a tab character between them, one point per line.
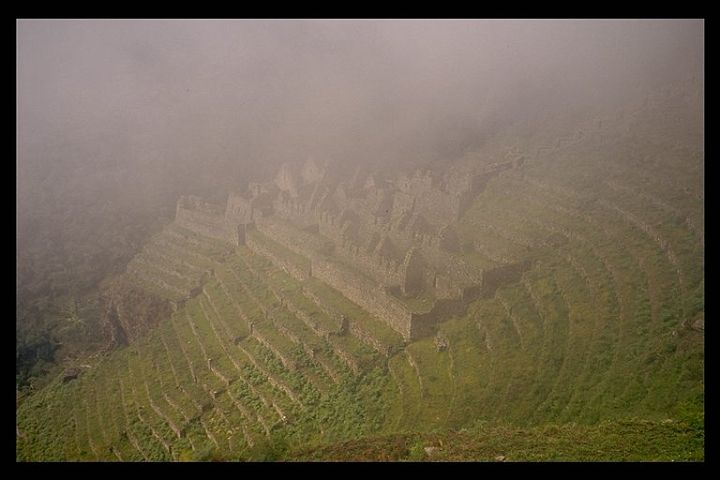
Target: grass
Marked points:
591	356
422	303
280	250
623	441
544	350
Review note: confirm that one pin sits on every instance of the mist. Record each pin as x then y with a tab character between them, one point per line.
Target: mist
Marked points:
117	118
364	240
170	96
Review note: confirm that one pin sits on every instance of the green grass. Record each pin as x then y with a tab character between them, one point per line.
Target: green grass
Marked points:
417	304
279	249
590	356
339	304
545	350
622	441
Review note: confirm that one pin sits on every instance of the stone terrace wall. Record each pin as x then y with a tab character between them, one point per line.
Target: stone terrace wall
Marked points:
421	324
299	230
327	309
297	271
293	238
357	330
204	222
383	270
364	292
354	325
238	210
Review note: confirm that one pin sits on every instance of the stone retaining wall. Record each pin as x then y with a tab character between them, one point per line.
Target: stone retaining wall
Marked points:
299	272
364	292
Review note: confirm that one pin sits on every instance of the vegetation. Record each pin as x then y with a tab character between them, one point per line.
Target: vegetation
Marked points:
608	441
595	354
61	261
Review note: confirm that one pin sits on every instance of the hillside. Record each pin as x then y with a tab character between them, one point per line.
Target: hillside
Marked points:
543	283
608	441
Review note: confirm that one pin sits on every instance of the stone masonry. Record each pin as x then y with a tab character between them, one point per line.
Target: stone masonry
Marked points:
387	244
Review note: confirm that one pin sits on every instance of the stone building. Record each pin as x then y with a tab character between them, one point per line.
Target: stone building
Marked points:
387	245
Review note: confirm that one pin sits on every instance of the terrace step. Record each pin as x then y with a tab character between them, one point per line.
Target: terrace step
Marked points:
272	379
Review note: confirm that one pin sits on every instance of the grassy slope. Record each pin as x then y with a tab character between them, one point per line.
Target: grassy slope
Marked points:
592	356
630	440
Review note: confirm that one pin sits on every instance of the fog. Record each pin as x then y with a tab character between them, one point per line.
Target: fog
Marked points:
193	94
129	114
548	269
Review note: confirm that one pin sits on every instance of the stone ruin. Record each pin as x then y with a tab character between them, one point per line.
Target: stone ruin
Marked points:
387	244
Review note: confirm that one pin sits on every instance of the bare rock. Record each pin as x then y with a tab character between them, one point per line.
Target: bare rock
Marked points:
430	450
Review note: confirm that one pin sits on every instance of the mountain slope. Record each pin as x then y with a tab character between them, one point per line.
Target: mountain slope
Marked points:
606	324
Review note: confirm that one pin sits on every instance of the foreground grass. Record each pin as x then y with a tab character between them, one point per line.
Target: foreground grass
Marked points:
632	440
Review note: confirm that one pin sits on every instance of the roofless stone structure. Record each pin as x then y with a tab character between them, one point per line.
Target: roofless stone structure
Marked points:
387	244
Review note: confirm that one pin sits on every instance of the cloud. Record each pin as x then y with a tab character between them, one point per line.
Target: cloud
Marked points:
203	98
